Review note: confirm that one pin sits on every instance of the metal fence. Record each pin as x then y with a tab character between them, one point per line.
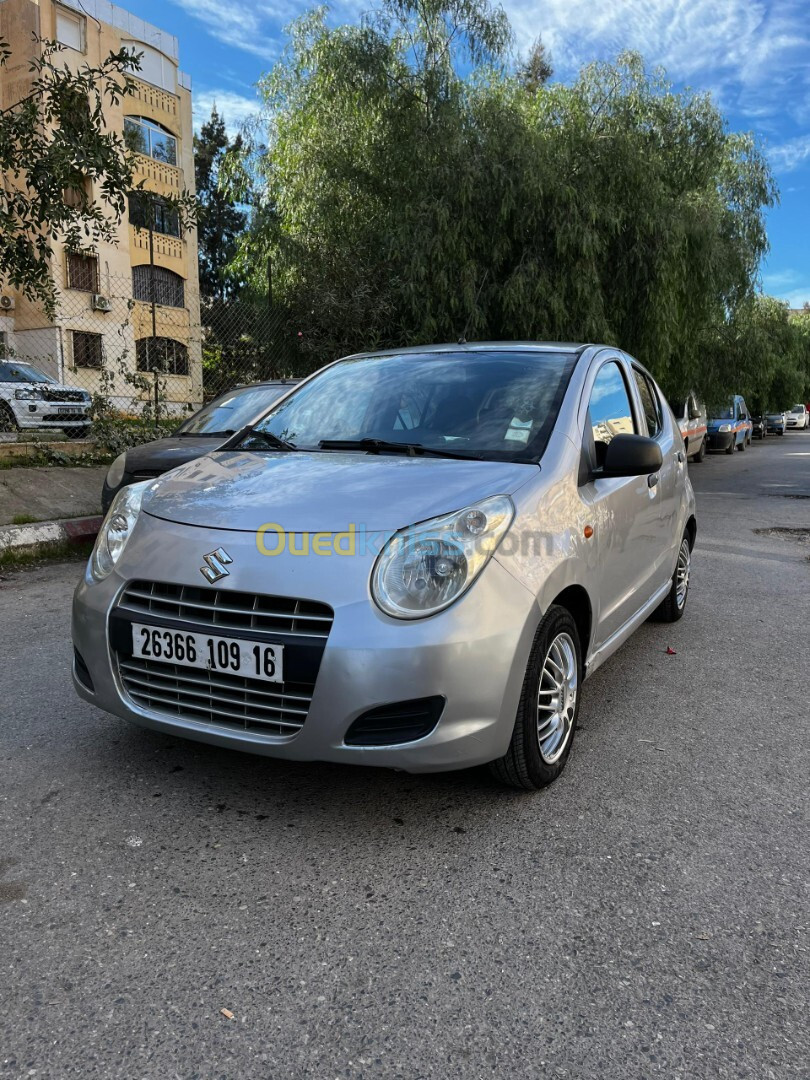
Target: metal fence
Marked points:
143	348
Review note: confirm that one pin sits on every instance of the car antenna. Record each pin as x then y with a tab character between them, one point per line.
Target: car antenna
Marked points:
463	338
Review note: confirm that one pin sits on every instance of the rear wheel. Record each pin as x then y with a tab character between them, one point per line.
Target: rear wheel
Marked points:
701	454
672	608
549	706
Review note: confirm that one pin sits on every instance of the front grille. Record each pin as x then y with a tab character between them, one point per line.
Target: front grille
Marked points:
226	701
223	608
62	418
63	395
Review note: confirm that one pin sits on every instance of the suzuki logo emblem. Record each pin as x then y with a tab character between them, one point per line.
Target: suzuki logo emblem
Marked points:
215	563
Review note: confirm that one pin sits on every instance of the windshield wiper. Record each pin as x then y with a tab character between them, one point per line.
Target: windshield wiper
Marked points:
376	446
273	441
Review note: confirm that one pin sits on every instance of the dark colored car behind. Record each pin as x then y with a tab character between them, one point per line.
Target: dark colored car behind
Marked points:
201	433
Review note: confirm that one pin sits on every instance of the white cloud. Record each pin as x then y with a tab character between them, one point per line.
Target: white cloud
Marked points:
748	52
790	155
235	108
790	285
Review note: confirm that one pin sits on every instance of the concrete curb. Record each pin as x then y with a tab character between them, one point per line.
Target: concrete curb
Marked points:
44	535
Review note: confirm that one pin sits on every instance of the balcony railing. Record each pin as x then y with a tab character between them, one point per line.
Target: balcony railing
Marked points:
153	97
158	172
168	246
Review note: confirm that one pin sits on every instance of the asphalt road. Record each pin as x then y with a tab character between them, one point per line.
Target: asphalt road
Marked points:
646	916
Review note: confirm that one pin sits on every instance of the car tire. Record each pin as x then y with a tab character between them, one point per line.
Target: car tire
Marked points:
731	447
8	421
701	454
544	724
674	605
741	447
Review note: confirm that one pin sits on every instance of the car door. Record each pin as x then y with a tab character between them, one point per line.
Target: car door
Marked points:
624	510
671	475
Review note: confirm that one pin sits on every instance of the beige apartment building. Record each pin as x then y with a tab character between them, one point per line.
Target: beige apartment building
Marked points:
133	308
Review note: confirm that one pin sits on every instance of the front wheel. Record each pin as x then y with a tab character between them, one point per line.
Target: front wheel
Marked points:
673	606
741	447
731	447
549	706
701	454
8	421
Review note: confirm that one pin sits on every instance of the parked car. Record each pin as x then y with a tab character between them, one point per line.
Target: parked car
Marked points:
777	423
378	572
730	426
798	417
31	399
690	416
759	426
205	430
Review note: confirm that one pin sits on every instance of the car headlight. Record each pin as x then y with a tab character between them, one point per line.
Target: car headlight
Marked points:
28	394
724	427
115	473
117	529
424	568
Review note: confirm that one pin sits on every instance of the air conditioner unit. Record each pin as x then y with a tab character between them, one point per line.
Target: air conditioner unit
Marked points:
6	303
101	303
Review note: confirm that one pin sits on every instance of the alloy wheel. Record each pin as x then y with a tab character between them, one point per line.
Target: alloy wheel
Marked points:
682	573
557	698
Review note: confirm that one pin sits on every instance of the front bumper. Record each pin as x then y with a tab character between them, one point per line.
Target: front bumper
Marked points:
474	654
721	440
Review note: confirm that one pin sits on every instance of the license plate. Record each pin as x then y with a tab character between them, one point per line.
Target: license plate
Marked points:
62	409
234	656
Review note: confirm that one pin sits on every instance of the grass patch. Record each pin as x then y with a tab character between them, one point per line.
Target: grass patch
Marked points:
25	519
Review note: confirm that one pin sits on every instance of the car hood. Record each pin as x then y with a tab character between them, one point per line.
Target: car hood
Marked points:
313	492
164	454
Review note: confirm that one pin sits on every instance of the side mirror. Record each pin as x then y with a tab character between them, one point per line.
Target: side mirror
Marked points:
632	455
694	414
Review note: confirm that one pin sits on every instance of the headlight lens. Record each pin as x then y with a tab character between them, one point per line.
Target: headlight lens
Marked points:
117	529
424	568
28	394
724	427
115	473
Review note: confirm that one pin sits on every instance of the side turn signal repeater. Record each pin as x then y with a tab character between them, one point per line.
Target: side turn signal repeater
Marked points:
588	530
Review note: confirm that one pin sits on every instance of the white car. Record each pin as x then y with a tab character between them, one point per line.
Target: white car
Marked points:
31	399
798	417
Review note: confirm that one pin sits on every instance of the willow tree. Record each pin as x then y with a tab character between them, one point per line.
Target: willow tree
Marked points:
411	188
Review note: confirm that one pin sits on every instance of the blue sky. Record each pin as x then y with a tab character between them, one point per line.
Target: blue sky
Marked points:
753	55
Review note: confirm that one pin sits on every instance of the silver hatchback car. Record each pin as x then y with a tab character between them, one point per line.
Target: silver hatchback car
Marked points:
412	561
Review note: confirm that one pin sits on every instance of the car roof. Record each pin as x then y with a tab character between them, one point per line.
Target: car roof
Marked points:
477	346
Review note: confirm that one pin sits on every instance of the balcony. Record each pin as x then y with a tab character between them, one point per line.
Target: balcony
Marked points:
160	103
160	176
165	247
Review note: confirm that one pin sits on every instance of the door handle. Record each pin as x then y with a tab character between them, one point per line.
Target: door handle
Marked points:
680	456
652	480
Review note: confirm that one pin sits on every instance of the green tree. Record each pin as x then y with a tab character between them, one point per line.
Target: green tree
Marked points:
65	177
219	220
535	69
412	191
53	146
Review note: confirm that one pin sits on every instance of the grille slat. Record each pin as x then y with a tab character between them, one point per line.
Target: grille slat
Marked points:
213	607
224	700
153	682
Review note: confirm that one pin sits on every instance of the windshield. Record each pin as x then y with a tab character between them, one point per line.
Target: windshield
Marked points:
229	413
22	373
723	412
497	405
798	409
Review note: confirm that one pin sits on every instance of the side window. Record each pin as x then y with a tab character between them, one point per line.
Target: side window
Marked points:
649	403
609	409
